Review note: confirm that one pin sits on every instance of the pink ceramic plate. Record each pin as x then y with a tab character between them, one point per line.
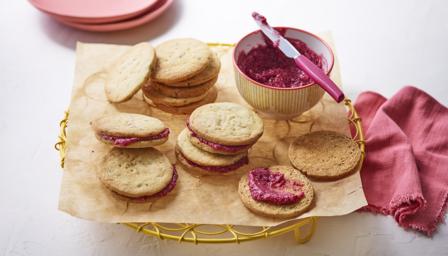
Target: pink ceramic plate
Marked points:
153	13
93	11
104	20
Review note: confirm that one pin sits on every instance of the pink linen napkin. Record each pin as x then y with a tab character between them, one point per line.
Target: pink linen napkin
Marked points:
405	173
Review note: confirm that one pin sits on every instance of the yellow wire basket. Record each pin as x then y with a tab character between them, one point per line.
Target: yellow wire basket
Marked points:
302	229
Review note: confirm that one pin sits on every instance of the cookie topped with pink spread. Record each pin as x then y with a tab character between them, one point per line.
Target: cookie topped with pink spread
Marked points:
224	128
125	130
276	191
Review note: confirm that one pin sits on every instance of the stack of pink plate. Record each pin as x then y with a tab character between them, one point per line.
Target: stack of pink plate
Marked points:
102	15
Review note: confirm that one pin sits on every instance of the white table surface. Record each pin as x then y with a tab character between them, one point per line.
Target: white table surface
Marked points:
382	46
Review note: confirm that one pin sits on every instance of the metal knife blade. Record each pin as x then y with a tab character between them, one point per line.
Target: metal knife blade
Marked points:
279	41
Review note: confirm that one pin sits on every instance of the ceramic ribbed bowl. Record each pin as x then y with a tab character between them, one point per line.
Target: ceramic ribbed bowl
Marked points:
277	102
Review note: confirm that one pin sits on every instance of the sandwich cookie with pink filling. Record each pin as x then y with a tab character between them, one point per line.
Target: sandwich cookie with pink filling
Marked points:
198	160
224	128
137	175
126	130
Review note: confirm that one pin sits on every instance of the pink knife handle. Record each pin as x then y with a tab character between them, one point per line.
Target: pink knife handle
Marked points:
319	77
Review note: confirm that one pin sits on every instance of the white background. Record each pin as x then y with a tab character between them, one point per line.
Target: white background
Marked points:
381	45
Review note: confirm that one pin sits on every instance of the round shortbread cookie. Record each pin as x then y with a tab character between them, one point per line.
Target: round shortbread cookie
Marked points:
226	123
146	199
175	92
181	59
158	98
197	143
209	73
135	172
127	75
184	162
201	157
325	155
128	125
185	110
136	200
278	211
198	170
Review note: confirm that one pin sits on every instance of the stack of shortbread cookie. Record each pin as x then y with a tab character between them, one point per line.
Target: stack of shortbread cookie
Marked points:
218	137
184	76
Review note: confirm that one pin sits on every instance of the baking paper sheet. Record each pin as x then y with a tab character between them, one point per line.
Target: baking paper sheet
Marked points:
196	199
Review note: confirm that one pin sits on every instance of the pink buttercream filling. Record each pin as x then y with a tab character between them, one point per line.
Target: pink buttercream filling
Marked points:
227	168
270	187
162	192
217	146
125	141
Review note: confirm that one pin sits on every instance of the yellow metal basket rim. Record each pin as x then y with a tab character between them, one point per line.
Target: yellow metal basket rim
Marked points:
191	232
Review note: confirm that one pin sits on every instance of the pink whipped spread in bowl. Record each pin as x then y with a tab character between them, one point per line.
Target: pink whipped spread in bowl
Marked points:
273	187
270	82
266	64
125	141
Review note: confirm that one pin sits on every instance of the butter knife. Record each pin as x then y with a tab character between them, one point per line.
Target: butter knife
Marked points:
300	60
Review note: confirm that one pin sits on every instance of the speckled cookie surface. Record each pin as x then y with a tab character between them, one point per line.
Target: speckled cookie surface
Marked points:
209	73
325	155
201	157
176	92
187	109
135	172
126	76
180	59
279	211
226	123
128	125
158	98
